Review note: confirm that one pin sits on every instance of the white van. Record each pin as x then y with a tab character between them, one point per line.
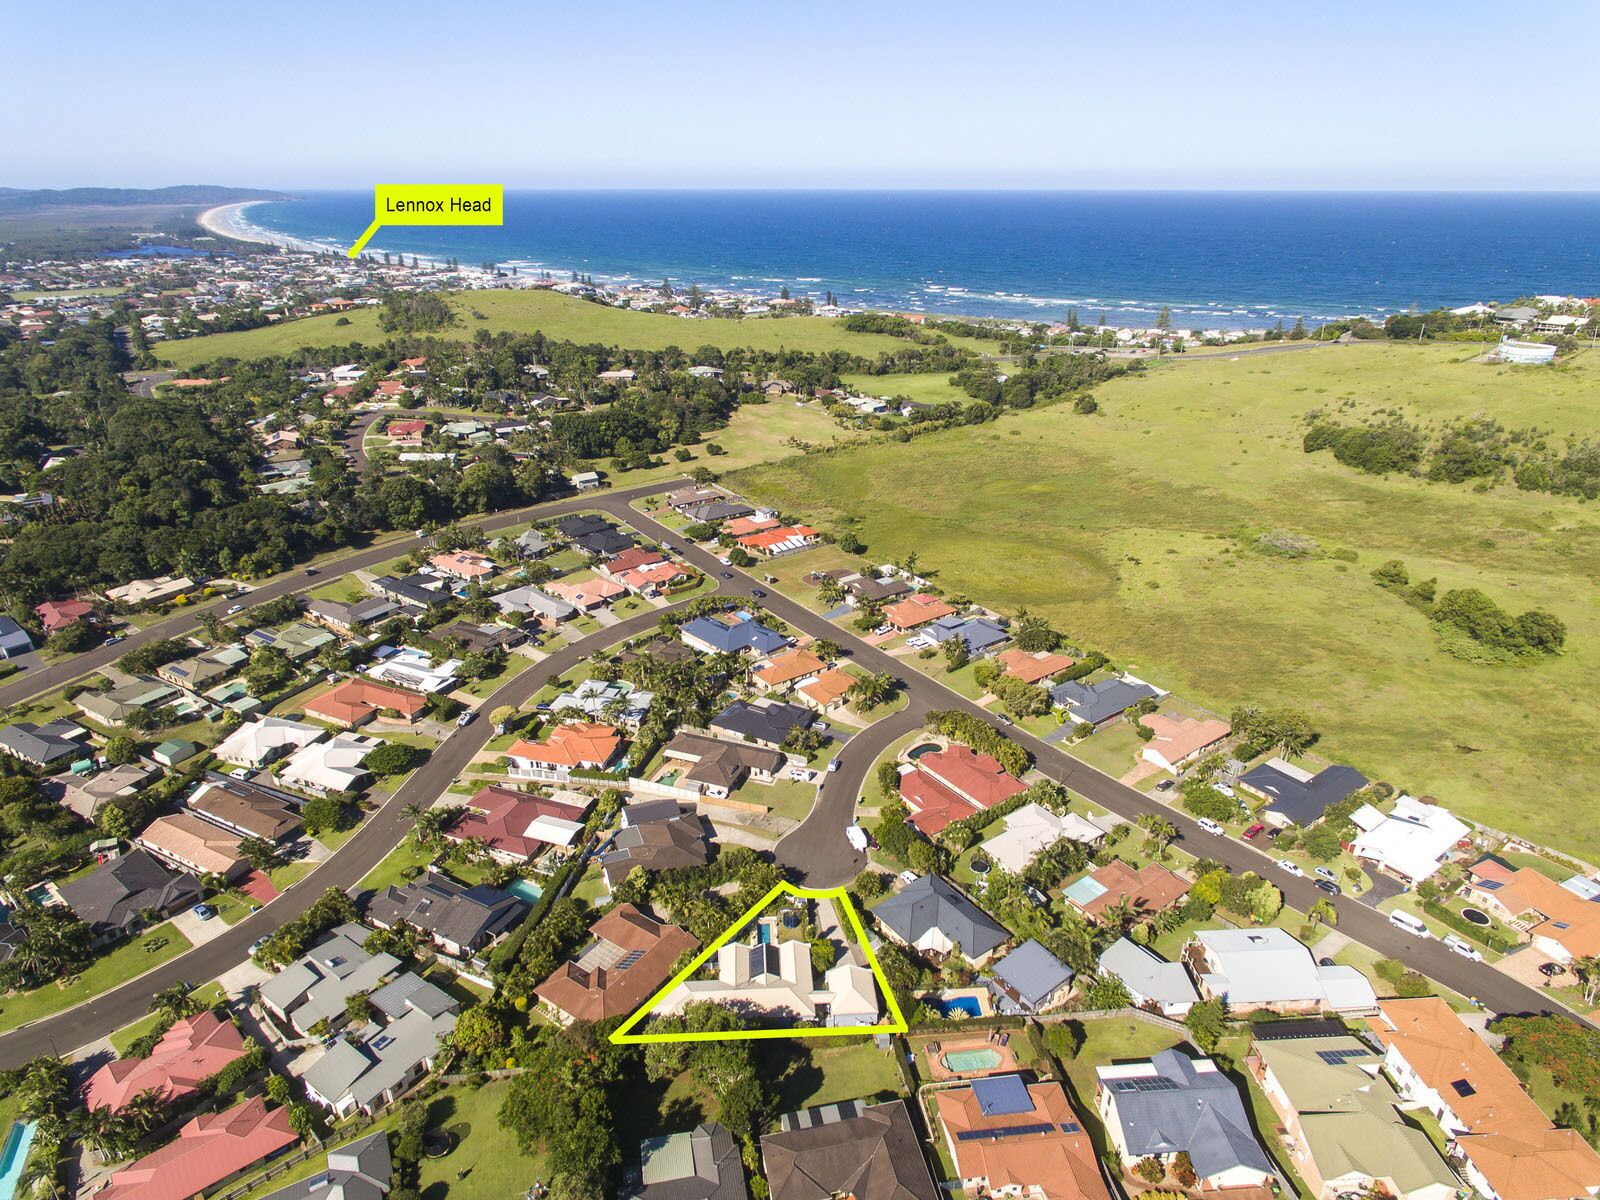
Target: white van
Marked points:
1210	826
1405	921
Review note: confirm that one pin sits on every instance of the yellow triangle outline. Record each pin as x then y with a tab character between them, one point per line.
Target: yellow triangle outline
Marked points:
623	1035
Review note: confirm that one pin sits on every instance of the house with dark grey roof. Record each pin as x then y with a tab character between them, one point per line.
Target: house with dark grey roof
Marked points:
532	544
869	1151
342	617
414	591
700	1165
718	767
1030	979
979	634
358	1170
1175	1105
460	920
368	1068
656	835
1097	703
731	635
1297	796
766	724
41	745
594	535
716	510
14	639
113	898
314	987
931	916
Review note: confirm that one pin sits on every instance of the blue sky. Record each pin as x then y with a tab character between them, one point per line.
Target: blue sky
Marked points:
814	93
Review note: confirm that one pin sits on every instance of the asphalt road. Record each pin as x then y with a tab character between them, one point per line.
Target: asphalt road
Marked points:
66	670
378	835
819	848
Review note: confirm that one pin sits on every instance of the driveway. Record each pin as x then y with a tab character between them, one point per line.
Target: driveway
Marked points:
197	931
1383	888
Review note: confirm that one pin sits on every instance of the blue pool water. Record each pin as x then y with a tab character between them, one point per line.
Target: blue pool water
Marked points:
764	933
955	1006
526	889
14	1157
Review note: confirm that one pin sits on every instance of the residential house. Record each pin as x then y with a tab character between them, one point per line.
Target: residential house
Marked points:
371	1067
1146	890
701	1165
1297	796
594	535
850	1148
331	766
631	559
190	1052
1011	1138
416	593
358	1170
463	565
530	543
656	835
929	915
1267	968
693	497
1096	704
718	768
778	541
782	671
1034	668
266	740
873	589
1178	741
827	692
14	639
978	634
951	784
516	827
767	723
1515	316
1562	924
186	841
112	899
1412	842
1031	980
1033	828
773	979
114	707
619	702
530	601
296	641
1500	1139
345	618
174	751
245	809
731	633
56	615
414	669
314	987
210	1149
915	611
86	795
716	510
1174	1104
587	595
1152	982
1341	1118
44	745
473	638
575	746
460	920
202	671
150	591
629	956
354	702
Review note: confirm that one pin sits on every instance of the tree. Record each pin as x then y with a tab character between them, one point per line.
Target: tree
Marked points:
478	1034
1265	901
323	814
267	671
1323	912
394	758
259	852
174	1003
121	749
358	1009
1206	1022
870	691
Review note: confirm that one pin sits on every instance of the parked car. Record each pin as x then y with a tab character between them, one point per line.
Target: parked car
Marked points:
204	911
114	639
1458	946
465	719
833	765
1551	969
240	773
1164	786
1254	830
758	593
256	946
1325	873
235	608
1225	788
1210	826
420	534
727	574
1410	924
1328	886
1003	719
1289	867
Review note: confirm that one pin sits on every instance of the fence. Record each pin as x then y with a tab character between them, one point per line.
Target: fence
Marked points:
1103	1014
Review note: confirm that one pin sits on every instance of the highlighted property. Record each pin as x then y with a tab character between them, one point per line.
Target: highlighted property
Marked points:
624	1035
433	204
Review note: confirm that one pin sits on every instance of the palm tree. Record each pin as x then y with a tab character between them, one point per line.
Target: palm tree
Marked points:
1587	969
1160	830
1324	911
868	692
174	1003
1121	915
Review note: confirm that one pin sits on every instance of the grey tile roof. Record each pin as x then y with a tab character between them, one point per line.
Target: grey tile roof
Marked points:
111	898
1033	973
699	1165
358	1170
1146	975
868	1151
447	910
1097	702
1303	802
410	991
1197	1111
763	722
931	903
40	744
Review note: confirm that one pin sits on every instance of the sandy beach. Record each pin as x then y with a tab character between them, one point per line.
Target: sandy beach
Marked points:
228	220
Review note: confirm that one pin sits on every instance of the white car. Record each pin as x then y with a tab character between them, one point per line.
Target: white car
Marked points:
1210	826
1289	868
725	560
234	608
1457	946
1225	788
919	642
240	772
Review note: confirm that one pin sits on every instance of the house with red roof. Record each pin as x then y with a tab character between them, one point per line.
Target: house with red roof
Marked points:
783	539
586	594
390	389
947	785
356	701
578	746
742	526
629	560
651	580
1179	740
629	955
915	611
210	1149
516	826
1031	668
1147	890
463	564
56	615
406	433
188	1054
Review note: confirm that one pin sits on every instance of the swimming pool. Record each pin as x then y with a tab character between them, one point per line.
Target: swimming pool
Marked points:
917	752
526	889
962	1061
764	933
952	1006
14	1157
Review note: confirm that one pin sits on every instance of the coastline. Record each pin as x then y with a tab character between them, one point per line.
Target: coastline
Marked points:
229	221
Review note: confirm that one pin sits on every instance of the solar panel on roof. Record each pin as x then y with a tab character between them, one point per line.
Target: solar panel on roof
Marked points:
1009	1131
1145	1083
1463	1088
1337	1058
628	959
1002	1095
1071	1127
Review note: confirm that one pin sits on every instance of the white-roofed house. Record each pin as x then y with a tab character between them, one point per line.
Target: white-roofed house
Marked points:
1413	841
1033	828
257	743
1152	982
1267	968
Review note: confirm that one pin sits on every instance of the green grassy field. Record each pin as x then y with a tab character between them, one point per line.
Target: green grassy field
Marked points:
557	316
111	969
1120	527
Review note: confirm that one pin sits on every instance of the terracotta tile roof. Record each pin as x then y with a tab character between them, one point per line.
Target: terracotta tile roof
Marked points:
1569	919
354	700
208	1150
742	526
1179	737
459	562
916	610
632	559
579	744
789	666
592	994
189	1053
504	819
192	841
1031	668
1509	1138
828	687
768	538
1151	888
1057	1161
979	778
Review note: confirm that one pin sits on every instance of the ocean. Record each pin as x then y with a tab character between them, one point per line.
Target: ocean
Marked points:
1218	259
